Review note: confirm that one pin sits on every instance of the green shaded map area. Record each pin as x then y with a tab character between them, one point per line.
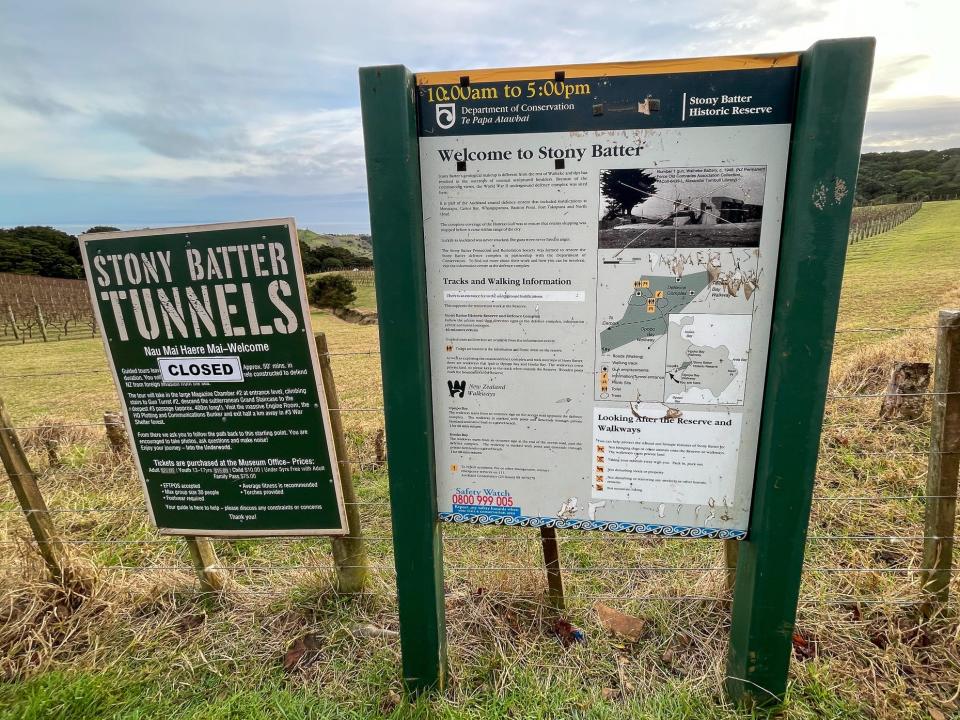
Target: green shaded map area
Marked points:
647	314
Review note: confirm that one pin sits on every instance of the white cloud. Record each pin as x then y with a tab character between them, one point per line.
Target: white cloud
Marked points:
262	98
913	124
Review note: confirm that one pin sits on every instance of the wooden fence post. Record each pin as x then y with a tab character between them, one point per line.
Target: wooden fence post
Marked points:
551	558
380	448
115	432
942	467
41	323
13	322
204	557
25	486
731	551
349	553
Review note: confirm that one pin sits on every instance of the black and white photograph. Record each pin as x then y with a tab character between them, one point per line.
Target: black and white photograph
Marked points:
658	207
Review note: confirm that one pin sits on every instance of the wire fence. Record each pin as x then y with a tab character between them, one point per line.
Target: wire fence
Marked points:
865	545
901	521
870	220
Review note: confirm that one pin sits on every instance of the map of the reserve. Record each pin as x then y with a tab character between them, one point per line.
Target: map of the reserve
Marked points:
681	337
707	359
653	300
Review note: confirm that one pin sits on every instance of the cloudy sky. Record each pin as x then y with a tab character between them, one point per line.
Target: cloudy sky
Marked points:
167	112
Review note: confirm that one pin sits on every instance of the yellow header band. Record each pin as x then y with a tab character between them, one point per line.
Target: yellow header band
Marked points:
642	67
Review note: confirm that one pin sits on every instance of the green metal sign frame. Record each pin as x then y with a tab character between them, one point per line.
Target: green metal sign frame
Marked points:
833	84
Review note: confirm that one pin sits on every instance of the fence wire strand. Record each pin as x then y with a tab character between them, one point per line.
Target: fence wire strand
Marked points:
475	554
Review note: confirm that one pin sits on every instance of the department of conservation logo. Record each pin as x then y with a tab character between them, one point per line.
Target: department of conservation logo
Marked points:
446	115
457	387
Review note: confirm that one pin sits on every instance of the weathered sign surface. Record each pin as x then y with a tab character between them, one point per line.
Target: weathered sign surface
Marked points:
208	336
601	249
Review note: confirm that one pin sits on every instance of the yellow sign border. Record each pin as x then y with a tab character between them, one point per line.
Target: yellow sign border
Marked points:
589	70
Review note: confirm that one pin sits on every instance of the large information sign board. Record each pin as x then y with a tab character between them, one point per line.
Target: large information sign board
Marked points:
209	339
601	247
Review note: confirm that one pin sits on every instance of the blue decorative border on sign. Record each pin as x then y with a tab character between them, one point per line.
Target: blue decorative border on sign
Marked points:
684	531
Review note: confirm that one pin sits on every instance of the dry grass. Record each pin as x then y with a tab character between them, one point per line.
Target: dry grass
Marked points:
866	652
865	369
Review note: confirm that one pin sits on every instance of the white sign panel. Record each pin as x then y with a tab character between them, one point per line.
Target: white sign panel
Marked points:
200	369
601	248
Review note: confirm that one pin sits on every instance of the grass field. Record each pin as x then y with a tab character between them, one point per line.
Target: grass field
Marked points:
145	644
901	275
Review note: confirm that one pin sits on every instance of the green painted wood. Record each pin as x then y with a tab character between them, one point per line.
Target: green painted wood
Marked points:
824	156
396	223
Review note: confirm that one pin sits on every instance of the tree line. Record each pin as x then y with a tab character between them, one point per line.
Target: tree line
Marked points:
891	177
894	177
45	251
38	250
324	258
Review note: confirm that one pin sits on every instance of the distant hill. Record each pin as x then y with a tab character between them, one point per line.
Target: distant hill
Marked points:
325	253
905	176
357	244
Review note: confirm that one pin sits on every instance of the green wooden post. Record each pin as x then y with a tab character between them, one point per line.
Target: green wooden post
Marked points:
824	156
396	222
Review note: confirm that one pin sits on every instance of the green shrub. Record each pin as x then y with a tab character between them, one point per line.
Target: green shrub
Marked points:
332	291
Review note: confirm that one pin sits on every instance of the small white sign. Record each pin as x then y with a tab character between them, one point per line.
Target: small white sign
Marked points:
200	369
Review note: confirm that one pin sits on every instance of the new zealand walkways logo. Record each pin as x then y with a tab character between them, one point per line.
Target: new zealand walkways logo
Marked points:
446	115
457	387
